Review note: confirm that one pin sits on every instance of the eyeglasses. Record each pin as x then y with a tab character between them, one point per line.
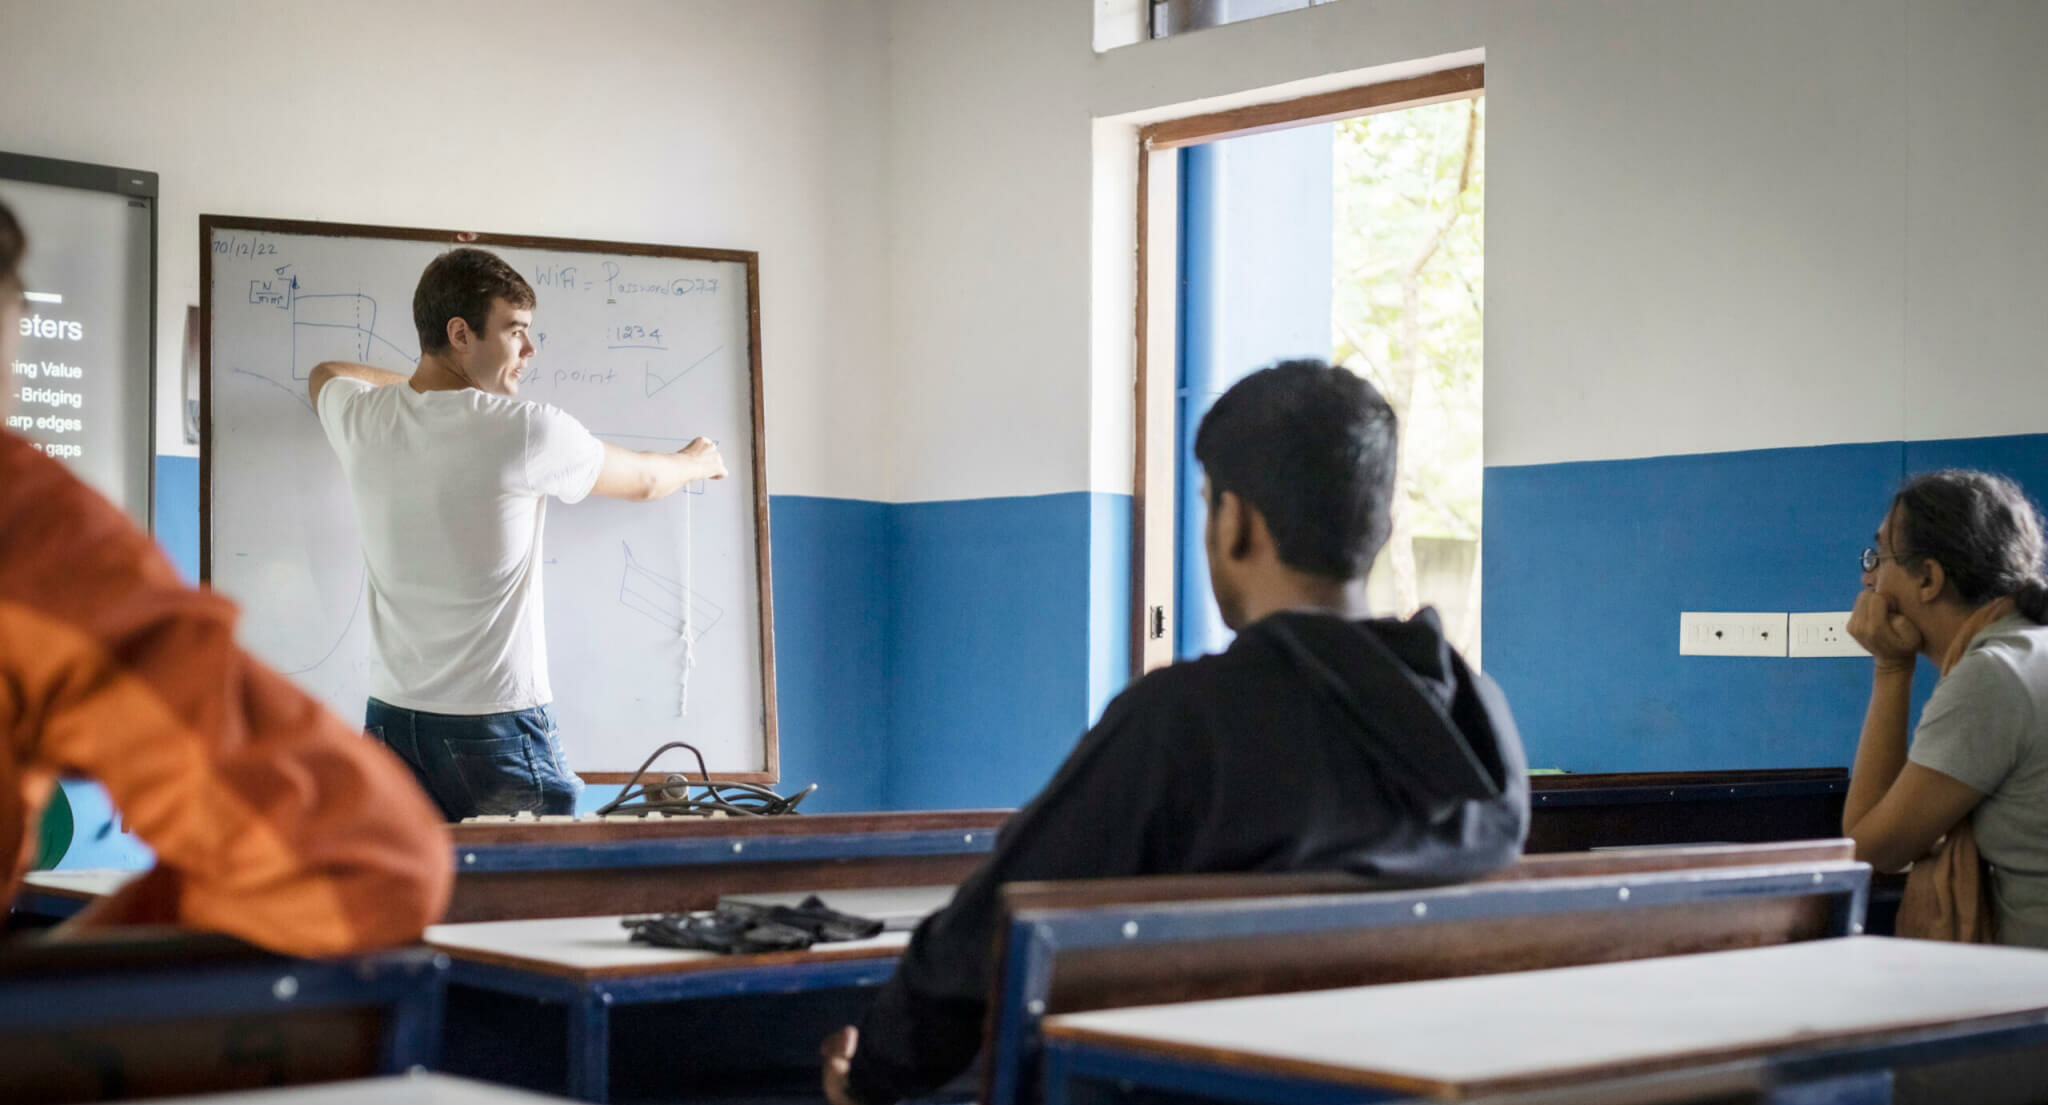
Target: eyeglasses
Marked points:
1871	558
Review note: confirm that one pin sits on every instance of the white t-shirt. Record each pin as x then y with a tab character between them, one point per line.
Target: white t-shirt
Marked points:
1986	725
450	494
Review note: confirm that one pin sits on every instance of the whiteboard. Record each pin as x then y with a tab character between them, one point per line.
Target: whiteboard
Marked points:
647	346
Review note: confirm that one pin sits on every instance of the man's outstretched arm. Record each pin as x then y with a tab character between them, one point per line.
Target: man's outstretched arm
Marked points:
328	370
645	477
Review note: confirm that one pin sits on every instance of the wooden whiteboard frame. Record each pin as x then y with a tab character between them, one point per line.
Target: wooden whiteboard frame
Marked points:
208	224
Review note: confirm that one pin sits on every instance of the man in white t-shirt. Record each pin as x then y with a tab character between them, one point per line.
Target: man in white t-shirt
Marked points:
450	473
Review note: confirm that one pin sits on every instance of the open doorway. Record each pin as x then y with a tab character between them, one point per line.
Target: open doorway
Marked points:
1348	227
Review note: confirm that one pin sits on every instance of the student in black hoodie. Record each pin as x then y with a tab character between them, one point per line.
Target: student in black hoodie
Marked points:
1320	740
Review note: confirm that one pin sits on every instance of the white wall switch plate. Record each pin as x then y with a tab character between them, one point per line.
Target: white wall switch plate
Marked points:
1718	634
1822	634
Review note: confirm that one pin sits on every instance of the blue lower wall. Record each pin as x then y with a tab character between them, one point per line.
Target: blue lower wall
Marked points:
1109	599
1588	565
993	645
177	511
2023	457
833	562
948	654
945	654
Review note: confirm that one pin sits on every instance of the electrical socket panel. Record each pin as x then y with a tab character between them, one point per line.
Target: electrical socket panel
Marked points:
1731	634
1822	634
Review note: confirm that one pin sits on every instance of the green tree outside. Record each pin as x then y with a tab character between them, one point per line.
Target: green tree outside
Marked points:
1407	314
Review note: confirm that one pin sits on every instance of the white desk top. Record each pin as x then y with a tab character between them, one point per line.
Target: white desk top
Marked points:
1457	1037
406	1089
579	945
83	883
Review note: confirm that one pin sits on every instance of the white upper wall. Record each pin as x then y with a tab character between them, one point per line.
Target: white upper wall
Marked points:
989	159
1713	225
1977	229
749	125
1695	228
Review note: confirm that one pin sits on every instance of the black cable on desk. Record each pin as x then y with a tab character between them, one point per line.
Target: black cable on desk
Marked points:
749	801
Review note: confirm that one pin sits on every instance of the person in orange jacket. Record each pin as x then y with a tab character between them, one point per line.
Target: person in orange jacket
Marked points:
272	820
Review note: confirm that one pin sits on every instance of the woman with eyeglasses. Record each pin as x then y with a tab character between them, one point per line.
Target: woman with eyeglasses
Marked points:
1957	576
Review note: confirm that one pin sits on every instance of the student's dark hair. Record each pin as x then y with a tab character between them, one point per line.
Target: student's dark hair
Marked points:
461	284
1311	448
13	245
1983	530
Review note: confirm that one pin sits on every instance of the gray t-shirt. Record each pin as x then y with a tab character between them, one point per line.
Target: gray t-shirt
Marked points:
1986	725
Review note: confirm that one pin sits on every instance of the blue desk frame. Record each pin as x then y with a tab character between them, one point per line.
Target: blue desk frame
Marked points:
589	1001
408	982
697	851
1037	938
684	851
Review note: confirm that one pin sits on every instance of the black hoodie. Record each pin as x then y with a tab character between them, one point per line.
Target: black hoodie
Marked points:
1311	744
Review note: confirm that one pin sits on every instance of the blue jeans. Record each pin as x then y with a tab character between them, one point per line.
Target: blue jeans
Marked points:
475	764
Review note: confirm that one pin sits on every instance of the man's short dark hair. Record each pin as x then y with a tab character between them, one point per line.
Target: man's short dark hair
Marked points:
461	284
1312	449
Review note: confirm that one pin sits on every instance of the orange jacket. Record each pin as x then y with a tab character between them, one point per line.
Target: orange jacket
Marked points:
272	819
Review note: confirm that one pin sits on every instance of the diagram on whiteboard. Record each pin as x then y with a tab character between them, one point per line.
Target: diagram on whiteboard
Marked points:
657	381
647	351
661	599
326	326
339	327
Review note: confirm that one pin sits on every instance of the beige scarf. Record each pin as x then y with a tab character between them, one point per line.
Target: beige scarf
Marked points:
1948	896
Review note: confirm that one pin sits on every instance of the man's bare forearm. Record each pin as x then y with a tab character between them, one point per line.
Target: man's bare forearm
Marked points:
645	477
675	471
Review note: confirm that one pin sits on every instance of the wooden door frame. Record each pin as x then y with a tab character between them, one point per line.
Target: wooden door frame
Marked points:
1155	223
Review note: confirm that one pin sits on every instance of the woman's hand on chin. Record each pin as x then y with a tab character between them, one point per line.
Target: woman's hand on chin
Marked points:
1886	634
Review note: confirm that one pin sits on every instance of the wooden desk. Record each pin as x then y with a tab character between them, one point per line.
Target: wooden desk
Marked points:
420	1088
592	948
1798	1017
588	970
515	870
1073	947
